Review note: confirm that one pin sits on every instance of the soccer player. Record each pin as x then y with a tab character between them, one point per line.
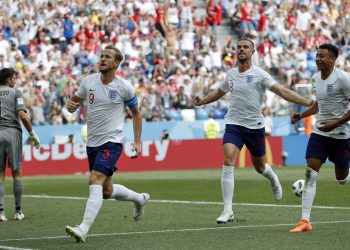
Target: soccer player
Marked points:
246	85
330	138
107	96
12	107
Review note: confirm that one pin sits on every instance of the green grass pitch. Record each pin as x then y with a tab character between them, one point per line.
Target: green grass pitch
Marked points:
170	223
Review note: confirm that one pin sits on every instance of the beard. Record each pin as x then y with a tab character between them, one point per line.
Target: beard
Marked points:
242	60
105	70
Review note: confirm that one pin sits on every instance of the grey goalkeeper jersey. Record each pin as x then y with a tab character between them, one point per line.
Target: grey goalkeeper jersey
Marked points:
11	100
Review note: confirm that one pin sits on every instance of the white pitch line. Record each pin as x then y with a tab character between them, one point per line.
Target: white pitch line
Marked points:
191	202
244	204
14	248
175	230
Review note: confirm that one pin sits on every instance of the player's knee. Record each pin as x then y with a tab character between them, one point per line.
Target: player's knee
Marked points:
17	174
92	180
260	168
96	178
107	194
228	161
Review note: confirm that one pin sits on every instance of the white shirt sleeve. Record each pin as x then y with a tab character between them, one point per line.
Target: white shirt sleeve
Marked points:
345	81
129	91
225	85
81	93
267	80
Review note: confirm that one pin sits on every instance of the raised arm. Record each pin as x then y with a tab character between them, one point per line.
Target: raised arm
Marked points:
290	95
211	97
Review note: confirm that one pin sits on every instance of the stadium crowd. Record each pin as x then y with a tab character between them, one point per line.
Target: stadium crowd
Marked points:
170	53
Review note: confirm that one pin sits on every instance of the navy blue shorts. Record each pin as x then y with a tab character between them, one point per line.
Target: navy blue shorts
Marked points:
254	139
103	158
323	147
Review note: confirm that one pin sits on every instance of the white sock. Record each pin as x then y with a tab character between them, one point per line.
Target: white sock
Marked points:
93	206
269	174
309	193
122	193
346	180
227	186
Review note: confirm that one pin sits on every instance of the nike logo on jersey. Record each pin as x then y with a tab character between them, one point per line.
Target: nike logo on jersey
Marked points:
92	90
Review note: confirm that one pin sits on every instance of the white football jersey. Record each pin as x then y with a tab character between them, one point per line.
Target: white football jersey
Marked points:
332	95
246	96
105	108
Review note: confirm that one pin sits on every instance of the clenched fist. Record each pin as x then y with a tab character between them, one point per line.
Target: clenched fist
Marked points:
198	101
72	106
295	118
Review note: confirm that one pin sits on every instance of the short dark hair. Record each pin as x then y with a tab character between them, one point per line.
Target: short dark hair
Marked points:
118	55
5	74
331	48
244	38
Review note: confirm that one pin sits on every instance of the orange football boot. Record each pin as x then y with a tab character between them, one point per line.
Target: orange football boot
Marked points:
302	226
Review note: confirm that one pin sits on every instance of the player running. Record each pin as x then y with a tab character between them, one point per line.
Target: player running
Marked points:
330	138
246	85
107	96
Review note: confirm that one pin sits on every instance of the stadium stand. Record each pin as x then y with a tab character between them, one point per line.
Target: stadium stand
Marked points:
172	52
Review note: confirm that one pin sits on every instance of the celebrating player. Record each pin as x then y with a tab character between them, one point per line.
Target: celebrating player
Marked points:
107	96
246	85
330	138
12	107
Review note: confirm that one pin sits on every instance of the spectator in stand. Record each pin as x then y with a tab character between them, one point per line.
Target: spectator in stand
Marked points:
172	14
68	28
158	110
236	19
186	13
183	101
146	110
303	19
160	18
247	11
213	10
60	42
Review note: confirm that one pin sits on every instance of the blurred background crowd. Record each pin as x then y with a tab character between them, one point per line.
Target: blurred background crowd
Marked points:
172	51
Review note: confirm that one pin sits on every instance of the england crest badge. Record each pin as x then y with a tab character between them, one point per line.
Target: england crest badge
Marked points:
112	94
329	89
250	79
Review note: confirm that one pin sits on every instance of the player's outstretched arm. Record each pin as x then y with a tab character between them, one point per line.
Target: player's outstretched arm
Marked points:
73	103
212	96
33	138
290	95
310	111
137	125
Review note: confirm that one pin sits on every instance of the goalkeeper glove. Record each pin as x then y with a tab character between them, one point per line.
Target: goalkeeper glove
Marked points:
34	139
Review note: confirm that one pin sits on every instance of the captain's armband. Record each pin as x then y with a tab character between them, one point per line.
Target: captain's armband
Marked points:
132	103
